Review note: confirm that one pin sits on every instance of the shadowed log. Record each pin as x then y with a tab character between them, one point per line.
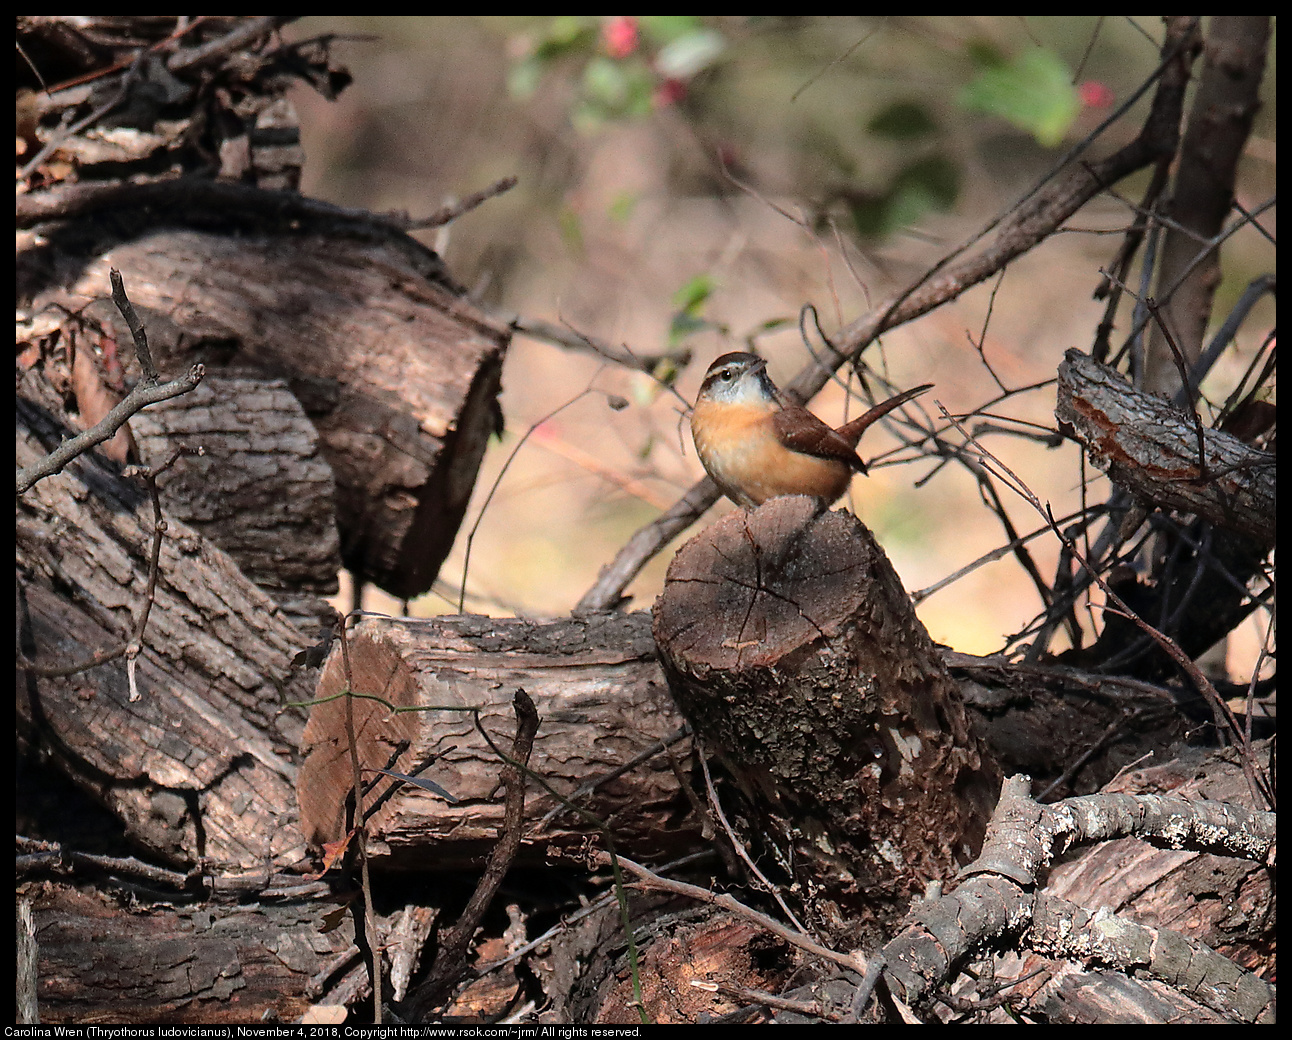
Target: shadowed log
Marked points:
197	758
398	373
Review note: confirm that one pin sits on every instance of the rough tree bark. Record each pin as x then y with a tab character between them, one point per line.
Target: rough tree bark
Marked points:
200	765
1224	902
603	704
398	375
796	655
211	963
1220	124
350	392
260	490
1163	456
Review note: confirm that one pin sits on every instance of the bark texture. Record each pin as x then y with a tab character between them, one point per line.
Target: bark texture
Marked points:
199	766
1220	124
397	373
351	388
1224	902
1159	453
602	703
797	657
260	490
174	965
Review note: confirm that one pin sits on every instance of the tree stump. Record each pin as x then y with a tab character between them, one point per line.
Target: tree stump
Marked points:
796	655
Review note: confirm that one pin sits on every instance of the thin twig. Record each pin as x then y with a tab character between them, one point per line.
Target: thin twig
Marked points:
919	595
1028	222
138	399
588	786
741	851
137	331
1182	367
611	854
132	645
493	489
572	339
827	67
36	854
1142	315
448	213
64	132
762	998
1261	789
450	960
136	643
147	392
578	915
649	879
235	39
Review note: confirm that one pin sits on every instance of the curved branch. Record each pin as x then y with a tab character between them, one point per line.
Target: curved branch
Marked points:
138	399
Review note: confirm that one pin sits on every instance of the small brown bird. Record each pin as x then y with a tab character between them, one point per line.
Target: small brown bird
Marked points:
757	444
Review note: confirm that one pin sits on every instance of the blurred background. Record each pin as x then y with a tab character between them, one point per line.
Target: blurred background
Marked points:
686	185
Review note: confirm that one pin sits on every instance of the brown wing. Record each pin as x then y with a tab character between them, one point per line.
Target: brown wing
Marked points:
801	431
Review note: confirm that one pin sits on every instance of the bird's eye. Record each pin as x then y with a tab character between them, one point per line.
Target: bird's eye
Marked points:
727	374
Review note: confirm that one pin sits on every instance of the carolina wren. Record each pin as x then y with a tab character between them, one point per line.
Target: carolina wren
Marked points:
757	444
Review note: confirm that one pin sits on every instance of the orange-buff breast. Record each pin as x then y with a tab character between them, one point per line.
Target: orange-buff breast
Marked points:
740	451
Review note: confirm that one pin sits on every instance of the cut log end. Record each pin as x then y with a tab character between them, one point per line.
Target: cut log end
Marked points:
758	587
798	659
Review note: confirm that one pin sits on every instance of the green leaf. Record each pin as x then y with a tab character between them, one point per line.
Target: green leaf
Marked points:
985	54
523	78
616	88
565	34
1034	93
689	54
902	121
869	215
691	297
935	176
561	36
623	205
931	183
571	226
684	325
666	371
605	83
662	29
771	325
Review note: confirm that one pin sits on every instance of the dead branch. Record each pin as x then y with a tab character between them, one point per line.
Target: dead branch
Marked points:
1219	125
1022	840
1151	448
451	955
